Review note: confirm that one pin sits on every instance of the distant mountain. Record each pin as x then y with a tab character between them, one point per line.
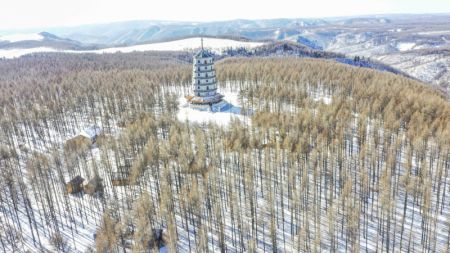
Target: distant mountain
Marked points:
43	43
40	40
132	32
364	21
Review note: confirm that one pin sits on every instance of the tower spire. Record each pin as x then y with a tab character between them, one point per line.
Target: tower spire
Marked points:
202	42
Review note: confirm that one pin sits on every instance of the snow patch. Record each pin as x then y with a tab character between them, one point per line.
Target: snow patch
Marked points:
21	37
186	113
405	46
325	99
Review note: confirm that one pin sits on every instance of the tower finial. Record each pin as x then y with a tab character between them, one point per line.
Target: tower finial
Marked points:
202	42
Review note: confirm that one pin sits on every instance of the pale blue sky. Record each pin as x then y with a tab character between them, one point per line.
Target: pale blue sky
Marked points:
18	14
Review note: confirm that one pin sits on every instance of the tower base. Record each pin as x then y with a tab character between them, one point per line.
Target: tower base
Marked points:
220	106
196	100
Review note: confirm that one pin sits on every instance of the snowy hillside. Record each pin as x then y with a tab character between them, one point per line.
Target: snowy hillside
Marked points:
331	160
214	44
16	45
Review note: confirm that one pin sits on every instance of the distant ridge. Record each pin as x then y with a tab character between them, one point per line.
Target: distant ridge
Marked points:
42	39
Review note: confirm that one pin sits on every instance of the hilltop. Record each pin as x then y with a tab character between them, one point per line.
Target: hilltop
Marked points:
334	158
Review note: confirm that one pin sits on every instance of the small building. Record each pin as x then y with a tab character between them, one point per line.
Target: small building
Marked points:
93	186
91	132
75	185
83	139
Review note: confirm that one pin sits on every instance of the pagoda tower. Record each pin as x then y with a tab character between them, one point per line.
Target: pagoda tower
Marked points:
204	84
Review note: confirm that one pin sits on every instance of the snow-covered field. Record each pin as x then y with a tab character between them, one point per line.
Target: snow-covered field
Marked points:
18	52
216	45
213	44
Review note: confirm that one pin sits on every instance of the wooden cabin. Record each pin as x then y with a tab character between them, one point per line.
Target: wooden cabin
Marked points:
161	236
83	140
75	185
93	186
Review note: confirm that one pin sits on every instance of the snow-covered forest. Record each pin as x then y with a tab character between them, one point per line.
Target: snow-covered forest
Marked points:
334	158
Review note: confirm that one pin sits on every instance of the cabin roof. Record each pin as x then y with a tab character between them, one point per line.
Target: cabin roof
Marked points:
77	180
91	131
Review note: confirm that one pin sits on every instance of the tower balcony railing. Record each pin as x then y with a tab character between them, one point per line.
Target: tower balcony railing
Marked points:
205	77
205	90
203	70
203	83
203	64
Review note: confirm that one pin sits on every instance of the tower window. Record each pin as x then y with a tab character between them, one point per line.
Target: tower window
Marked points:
198	81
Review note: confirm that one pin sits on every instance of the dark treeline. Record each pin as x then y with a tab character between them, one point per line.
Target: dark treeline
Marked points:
334	158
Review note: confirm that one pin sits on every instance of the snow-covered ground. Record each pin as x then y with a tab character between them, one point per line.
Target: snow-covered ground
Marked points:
213	44
21	37
186	113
